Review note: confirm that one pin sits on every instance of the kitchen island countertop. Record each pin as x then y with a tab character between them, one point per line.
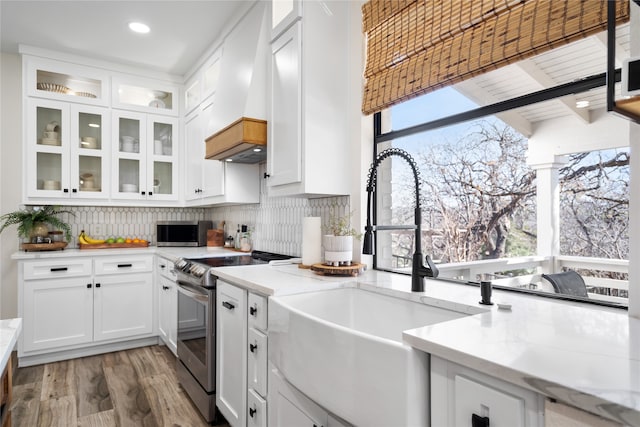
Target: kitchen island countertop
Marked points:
9	331
583	355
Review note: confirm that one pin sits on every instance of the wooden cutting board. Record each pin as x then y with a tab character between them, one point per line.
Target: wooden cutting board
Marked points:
344	270
112	245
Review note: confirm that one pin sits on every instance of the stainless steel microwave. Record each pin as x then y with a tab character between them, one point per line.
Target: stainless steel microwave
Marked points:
182	233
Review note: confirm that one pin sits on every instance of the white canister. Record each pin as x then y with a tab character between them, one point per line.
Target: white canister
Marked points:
311	240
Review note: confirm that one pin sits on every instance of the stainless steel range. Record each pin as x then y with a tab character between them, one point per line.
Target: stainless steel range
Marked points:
196	366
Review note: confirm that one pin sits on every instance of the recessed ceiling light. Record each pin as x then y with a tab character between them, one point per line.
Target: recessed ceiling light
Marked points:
257	150
229	160
582	104
139	27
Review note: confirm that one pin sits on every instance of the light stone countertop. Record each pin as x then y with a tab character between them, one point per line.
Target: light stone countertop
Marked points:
9	331
168	252
583	355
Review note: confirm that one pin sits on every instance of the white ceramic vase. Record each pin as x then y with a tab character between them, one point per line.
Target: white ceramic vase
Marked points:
337	249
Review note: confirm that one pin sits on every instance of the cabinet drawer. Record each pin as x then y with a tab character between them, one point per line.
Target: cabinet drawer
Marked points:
166	269
257	312
123	265
475	399
257	361
48	269
256	410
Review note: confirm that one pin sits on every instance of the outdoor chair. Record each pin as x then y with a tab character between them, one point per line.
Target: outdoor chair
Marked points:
567	282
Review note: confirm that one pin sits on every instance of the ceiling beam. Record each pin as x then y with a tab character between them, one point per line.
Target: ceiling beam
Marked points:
545	81
621	53
481	97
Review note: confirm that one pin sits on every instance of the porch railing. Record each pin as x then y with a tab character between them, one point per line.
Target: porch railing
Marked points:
525	272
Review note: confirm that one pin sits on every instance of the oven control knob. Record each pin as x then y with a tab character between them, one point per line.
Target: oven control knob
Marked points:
182	264
198	270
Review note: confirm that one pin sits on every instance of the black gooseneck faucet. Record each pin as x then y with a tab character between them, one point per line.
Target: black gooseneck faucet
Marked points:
418	271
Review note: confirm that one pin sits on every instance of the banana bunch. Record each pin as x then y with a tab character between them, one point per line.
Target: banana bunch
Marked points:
87	240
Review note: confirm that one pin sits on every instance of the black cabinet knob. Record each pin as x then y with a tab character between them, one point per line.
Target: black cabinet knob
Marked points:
97	285
478	421
252	412
266	175
66	190
253	347
88	285
253	310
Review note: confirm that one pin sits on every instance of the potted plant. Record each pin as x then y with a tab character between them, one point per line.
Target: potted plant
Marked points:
33	222
338	240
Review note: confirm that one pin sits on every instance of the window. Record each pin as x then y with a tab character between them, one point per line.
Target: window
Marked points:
480	201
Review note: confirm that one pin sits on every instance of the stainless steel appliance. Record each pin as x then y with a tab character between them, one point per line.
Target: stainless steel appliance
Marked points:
182	233
196	365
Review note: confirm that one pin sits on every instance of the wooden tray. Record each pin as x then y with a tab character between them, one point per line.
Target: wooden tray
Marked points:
344	270
55	246
112	245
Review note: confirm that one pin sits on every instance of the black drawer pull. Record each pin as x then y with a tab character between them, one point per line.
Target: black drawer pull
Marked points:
165	287
54	269
124	265
88	285
253	310
252	412
227	304
253	347
97	285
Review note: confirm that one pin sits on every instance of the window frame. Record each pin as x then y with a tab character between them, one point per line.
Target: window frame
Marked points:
575	87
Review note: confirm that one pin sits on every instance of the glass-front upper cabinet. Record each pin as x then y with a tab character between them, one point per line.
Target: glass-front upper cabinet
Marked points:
67	148
145	161
63	81
145	95
283	14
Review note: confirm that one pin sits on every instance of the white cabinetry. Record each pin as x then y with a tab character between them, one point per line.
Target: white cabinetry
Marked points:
212	181
144	95
167	303
257	361
309	87
67	151
123	297
461	396
231	339
70	304
289	407
56	303
145	165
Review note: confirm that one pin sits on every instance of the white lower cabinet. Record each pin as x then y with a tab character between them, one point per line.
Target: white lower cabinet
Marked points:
167	303
288	407
463	397
257	362
66	305
257	410
56	312
231	366
123	306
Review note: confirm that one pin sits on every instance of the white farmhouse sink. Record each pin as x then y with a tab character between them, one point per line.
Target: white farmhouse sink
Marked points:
343	349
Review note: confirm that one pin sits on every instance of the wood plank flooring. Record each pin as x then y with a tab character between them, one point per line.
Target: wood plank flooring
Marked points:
135	387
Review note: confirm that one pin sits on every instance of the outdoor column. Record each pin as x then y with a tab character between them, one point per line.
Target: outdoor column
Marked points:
548	207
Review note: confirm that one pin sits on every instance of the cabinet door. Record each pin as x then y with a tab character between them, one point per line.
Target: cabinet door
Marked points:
57	313
213	173
257	361
123	306
168	313
90	151
47	149
129	160
257	312
162	154
231	343
285	142
473	399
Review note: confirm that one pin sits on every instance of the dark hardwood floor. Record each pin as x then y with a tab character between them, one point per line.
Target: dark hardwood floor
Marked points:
128	388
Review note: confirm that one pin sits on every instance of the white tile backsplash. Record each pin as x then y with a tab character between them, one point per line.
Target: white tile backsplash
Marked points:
275	223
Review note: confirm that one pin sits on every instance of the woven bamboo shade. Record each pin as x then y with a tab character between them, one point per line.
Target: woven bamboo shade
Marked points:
417	46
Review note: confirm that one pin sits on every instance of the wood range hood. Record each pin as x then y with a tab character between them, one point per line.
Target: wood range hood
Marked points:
243	141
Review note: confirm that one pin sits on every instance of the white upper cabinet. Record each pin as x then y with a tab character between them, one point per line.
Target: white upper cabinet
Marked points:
65	82
68	148
145	157
149	96
308	148
283	14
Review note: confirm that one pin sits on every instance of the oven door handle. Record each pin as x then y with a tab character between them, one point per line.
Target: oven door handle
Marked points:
193	292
